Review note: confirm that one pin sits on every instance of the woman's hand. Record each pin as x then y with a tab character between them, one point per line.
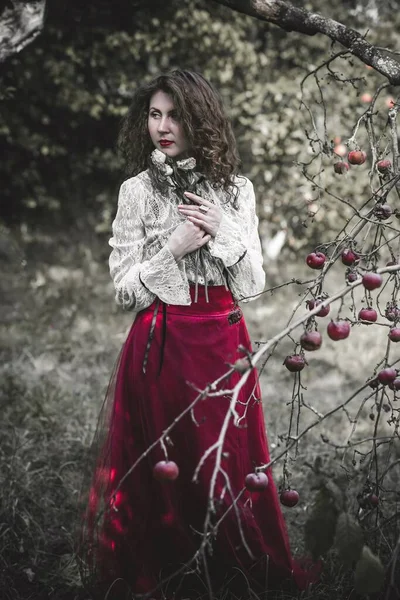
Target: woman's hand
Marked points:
206	215
187	237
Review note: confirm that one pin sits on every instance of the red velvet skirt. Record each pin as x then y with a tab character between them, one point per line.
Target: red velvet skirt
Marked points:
187	535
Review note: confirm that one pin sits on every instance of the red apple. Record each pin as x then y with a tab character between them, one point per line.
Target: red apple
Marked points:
372	281
165	470
357	157
349	257
368	314
256	482
289	498
316	260
295	363
384	165
392	311
341	167
311	340
352	276
394	334
323	311
387	375
383	211
373	500
338	330
395	385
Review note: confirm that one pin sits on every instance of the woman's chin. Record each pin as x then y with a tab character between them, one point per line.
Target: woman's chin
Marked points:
175	153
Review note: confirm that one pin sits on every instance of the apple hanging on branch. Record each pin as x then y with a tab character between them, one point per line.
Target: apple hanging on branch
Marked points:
341	167
323	312
372	281
256	482
349	257
384	166
289	498
387	375
316	260
338	330
368	314
394	334
357	157
295	363
165	470
311	340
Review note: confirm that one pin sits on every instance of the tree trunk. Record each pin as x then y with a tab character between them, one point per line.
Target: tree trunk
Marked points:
20	23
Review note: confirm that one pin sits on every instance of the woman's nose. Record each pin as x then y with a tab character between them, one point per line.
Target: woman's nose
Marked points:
163	124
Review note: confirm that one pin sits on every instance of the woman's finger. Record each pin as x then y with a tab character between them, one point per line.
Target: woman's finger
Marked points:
197	221
188	207
198	199
194	212
205	239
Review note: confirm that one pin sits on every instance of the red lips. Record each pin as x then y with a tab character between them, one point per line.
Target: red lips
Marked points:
165	142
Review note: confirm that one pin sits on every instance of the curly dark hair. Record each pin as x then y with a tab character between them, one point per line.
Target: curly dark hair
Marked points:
200	110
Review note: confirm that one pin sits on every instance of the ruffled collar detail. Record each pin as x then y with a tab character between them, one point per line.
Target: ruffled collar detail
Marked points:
161	161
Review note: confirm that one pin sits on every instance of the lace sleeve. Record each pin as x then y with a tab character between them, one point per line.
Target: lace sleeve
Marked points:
228	244
138	281
247	276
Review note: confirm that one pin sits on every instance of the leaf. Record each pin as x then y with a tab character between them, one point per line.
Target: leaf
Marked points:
321	524
369	574
349	539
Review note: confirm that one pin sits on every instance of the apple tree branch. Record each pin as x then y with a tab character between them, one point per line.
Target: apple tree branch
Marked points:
290	18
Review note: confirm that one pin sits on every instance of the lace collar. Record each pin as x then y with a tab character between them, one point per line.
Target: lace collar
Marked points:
162	162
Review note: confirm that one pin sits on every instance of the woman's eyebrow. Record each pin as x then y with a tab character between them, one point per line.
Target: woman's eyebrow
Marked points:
158	110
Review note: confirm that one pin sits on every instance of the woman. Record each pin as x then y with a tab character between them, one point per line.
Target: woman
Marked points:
185	250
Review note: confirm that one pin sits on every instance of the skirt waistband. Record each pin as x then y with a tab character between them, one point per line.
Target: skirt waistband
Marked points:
220	300
213	301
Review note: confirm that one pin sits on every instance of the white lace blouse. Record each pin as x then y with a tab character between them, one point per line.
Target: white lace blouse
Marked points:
141	264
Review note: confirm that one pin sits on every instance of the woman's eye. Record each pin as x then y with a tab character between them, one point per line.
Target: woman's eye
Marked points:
173	116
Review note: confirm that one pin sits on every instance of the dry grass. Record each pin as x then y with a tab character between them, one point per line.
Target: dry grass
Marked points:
60	334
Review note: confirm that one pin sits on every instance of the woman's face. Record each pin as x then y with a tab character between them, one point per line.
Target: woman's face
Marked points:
165	127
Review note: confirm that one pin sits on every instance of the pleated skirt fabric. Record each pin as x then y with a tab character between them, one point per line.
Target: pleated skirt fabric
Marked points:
178	539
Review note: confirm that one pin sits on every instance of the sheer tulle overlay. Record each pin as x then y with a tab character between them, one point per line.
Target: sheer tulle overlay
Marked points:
140	532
